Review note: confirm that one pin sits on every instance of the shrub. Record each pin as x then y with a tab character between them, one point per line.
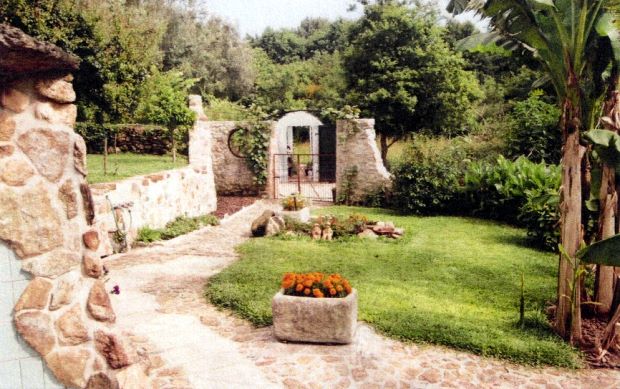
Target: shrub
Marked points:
295	202
148	235
428	181
535	132
520	192
316	285
180	226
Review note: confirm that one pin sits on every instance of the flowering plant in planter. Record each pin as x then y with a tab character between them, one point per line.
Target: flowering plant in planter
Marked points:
316	285
318	319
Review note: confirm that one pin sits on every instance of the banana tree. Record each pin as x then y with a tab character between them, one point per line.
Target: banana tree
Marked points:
604	253
574	40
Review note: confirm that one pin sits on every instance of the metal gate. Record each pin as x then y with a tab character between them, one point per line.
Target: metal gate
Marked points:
312	175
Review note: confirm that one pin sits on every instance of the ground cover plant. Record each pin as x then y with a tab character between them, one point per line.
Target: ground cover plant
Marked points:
464	294
125	165
180	226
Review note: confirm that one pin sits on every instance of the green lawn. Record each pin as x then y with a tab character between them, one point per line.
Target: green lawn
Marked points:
450	281
126	165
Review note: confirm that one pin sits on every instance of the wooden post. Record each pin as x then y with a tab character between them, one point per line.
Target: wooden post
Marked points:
105	154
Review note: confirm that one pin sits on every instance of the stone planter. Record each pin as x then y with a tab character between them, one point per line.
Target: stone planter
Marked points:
314	320
303	215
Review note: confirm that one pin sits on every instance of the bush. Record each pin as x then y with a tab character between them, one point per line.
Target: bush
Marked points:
535	131
428	181
295	202
180	226
519	192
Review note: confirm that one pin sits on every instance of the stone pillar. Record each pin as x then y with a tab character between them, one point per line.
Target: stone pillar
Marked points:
357	152
46	210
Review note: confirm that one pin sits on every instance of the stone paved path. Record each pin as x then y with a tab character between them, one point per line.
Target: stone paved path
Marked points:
187	343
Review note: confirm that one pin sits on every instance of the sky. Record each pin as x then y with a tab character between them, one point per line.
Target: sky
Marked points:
253	16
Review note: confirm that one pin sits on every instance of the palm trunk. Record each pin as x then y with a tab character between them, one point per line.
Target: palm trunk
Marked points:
568	314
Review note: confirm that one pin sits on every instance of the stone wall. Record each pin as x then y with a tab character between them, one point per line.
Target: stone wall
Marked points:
357	151
156	199
152	201
64	313
232	175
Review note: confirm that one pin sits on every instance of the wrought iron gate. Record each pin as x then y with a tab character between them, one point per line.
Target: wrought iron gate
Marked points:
312	175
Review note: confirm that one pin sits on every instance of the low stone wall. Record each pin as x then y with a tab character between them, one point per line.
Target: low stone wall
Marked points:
357	151
232	175
152	200
64	312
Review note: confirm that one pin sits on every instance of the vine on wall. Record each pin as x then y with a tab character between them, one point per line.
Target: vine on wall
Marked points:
251	140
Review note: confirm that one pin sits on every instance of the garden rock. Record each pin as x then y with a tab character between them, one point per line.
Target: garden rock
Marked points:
259	225
7	126
316	232
368	234
15	172
14	100
273	227
52	264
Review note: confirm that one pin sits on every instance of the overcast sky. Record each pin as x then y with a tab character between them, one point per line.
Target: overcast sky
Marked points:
253	16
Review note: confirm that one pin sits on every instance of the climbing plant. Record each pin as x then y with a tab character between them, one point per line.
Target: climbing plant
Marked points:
250	138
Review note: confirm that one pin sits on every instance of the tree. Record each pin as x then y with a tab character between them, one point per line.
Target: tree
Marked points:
575	42
164	101
401	72
209	50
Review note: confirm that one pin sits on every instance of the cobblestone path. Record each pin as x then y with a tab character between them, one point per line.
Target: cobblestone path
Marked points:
185	342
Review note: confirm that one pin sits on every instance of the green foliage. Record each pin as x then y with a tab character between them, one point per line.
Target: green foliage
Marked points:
252	140
535	131
313	36
417	288
347	186
428	180
401	72
148	235
520	192
209	50
604	252
314	84
180	226
224	110
164	100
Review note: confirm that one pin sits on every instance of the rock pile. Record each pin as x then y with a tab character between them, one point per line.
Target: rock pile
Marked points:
386	229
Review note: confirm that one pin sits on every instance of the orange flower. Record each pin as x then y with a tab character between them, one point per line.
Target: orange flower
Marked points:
348	289
332	292
307	292
299	287
317	293
339	288
308	283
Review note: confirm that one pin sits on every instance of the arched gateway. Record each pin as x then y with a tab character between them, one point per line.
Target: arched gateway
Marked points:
304	159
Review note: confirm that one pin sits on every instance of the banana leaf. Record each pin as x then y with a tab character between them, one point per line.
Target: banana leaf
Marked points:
605	252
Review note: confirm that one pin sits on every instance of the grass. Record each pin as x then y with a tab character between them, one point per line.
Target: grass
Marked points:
125	165
180	226
450	281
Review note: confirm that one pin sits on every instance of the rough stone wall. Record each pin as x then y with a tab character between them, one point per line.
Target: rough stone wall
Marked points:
64	313
156	199
356	149
152	201
232	175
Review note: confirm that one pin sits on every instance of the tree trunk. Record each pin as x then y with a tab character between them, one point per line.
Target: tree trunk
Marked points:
174	148
604	285
568	314
384	148
605	275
